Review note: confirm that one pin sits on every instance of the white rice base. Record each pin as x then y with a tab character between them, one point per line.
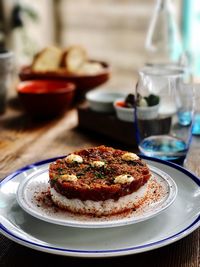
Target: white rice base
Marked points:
99	208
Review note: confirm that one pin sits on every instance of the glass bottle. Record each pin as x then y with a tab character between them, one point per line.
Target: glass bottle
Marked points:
163	42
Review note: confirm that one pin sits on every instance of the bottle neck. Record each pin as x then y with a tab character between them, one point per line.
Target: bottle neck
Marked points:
163	42
163	4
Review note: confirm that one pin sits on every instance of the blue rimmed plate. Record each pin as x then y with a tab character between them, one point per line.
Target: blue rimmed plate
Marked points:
156	232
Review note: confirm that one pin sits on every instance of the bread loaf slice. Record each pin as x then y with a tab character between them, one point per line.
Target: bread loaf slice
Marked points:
73	58
47	60
90	68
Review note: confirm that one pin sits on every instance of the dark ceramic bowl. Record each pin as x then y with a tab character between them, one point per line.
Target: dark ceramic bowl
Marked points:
44	99
83	83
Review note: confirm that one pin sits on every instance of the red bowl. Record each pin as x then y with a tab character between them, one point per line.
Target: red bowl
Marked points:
43	99
83	83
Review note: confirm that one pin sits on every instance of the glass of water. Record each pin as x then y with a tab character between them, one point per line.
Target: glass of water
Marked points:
6	68
164	112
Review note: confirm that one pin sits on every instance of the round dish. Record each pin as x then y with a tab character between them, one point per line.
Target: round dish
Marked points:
99	181
44	99
38	182
159	231
102	101
124	113
83	83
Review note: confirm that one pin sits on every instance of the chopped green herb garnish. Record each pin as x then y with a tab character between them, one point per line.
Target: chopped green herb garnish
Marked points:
133	163
88	168
55	178
80	174
53	181
60	170
99	175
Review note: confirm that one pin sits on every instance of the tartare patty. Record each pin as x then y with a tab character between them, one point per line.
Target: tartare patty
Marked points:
97	174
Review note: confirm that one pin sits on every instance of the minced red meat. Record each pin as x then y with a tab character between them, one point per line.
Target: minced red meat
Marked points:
98	183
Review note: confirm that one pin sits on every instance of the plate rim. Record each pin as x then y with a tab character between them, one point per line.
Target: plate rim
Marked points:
103	253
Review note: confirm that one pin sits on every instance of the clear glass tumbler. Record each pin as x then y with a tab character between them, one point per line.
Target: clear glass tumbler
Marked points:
6	68
163	113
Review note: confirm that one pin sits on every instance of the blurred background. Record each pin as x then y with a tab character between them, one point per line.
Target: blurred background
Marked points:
117	31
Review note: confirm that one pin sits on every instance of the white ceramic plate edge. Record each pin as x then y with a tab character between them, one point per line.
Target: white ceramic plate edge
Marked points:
100	254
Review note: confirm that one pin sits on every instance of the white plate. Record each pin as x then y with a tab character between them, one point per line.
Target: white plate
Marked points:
34	186
179	220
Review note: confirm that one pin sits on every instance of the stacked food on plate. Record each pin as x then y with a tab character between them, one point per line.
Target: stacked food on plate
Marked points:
96	187
99	181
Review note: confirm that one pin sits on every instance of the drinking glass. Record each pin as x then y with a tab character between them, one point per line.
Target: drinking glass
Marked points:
6	68
163	113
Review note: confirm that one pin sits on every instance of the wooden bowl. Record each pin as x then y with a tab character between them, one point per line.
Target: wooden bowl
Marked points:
83	83
44	98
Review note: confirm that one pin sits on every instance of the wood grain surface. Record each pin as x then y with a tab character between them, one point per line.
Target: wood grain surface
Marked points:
23	141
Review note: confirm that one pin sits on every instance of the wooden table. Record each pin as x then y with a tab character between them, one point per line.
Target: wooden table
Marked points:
23	141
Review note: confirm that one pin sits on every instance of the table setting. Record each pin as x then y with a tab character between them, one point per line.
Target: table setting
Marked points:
94	173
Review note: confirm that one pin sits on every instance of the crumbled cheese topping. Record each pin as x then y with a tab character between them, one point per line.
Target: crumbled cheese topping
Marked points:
74	158
123	179
97	164
130	156
68	177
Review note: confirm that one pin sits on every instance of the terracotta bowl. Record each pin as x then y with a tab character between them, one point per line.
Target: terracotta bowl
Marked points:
44	99
83	83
